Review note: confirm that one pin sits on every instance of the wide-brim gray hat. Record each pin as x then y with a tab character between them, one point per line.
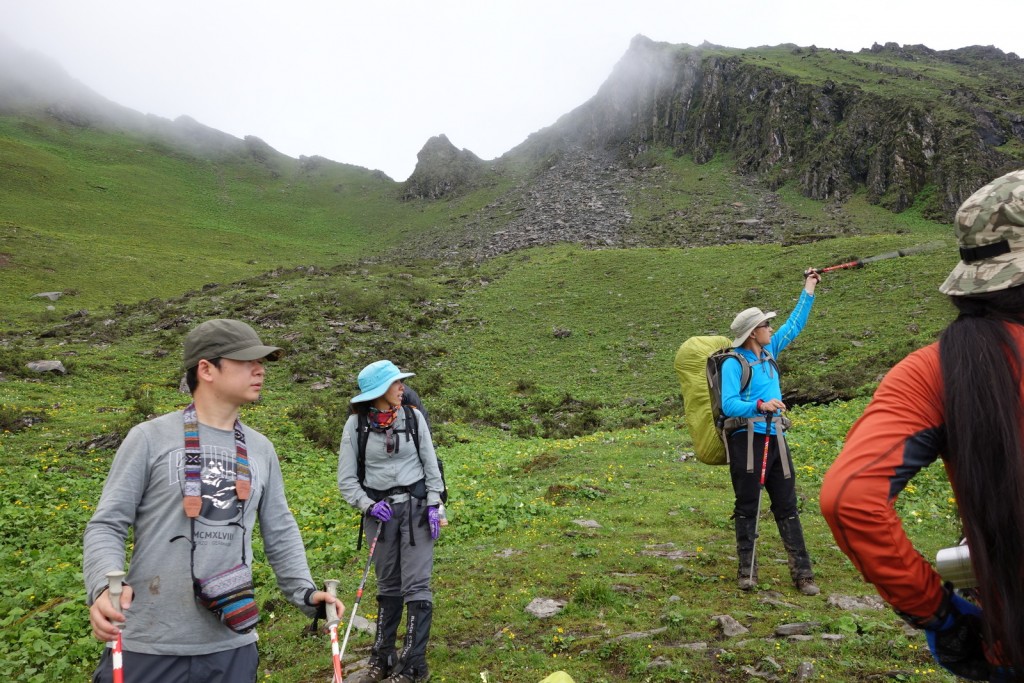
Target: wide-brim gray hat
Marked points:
376	378
224	338
990	233
745	322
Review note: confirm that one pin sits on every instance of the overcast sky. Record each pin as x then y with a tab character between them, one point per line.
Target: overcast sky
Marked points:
367	82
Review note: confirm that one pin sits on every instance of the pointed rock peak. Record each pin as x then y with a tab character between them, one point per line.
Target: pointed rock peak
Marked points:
440	148
441	170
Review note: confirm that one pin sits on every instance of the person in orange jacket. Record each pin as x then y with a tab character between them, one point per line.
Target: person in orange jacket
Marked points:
961	399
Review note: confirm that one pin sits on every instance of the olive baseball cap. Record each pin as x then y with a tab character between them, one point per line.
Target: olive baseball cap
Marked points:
990	234
225	338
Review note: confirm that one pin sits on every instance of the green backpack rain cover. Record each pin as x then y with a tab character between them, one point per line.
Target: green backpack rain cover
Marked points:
691	366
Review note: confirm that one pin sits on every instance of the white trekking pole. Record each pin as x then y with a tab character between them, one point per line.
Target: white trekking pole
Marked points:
362	584
332	626
114	580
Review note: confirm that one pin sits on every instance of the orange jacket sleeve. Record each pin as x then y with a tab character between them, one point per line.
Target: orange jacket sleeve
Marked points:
900	432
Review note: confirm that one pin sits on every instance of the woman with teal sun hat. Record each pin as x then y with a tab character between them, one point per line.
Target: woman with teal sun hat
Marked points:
388	470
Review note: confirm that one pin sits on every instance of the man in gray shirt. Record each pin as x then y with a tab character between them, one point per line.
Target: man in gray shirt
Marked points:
192	484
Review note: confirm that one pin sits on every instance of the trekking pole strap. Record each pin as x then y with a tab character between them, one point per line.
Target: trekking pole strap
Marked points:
750	445
781	425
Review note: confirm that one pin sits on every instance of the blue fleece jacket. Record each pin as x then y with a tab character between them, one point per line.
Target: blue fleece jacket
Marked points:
764	380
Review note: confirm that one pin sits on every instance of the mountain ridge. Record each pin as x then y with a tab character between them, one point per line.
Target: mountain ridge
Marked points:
831	137
899	127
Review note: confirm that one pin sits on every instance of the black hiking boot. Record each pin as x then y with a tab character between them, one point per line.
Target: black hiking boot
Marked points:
799	561
404	677
412	660
745	534
374	672
389	616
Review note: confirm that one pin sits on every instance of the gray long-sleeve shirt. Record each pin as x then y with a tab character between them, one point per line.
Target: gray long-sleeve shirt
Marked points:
387	470
144	492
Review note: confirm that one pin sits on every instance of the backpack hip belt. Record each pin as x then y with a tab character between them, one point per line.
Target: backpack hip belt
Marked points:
781	425
415	490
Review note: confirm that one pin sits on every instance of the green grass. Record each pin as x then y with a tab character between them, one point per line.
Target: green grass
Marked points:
512	538
496	378
627	312
125	219
548	374
890	75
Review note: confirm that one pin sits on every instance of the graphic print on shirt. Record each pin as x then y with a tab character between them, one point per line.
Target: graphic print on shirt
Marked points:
221	507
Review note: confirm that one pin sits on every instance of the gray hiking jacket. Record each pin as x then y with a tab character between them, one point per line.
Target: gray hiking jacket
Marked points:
144	492
384	470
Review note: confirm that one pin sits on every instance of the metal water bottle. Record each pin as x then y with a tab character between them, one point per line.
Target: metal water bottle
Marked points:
954	565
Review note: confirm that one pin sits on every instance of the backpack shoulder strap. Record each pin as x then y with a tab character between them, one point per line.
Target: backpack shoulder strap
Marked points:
745	371
412	425
362	436
767	358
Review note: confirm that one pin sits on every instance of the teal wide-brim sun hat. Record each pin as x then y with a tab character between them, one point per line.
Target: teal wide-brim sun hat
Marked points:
375	379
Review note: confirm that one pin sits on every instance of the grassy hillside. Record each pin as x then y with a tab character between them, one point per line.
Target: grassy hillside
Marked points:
642	590
498	378
548	374
982	75
111	219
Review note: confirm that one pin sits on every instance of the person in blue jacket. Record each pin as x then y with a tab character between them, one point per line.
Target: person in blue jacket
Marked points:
758	405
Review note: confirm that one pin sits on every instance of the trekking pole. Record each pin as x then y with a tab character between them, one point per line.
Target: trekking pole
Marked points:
359	592
114	593
860	263
760	491
331	585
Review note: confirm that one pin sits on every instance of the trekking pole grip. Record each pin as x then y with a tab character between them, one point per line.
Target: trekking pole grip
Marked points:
331	586
114	591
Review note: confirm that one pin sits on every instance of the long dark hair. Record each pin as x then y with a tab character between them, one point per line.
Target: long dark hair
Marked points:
361	408
981	371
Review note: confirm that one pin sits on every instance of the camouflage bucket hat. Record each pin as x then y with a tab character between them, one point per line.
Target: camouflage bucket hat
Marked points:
990	233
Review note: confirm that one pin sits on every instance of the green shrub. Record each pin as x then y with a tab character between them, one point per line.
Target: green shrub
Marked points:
320	420
15	419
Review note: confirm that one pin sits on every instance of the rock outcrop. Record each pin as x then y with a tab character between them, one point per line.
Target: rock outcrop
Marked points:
441	170
833	137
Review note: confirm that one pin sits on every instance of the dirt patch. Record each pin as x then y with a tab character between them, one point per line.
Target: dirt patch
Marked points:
5	259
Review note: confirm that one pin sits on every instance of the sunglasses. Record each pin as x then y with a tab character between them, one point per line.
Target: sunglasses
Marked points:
762	326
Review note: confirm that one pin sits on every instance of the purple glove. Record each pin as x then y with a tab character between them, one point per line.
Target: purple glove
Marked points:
434	520
380	510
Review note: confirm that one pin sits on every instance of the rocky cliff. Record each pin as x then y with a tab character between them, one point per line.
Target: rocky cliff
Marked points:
894	121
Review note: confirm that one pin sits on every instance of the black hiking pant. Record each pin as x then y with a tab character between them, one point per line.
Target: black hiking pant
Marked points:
747	485
782	492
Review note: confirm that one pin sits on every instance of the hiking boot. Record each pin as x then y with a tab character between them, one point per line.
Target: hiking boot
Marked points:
373	673
799	561
389	616
747	583
412	660
405	677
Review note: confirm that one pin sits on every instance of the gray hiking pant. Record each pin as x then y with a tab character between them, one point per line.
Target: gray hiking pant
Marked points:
403	569
230	666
